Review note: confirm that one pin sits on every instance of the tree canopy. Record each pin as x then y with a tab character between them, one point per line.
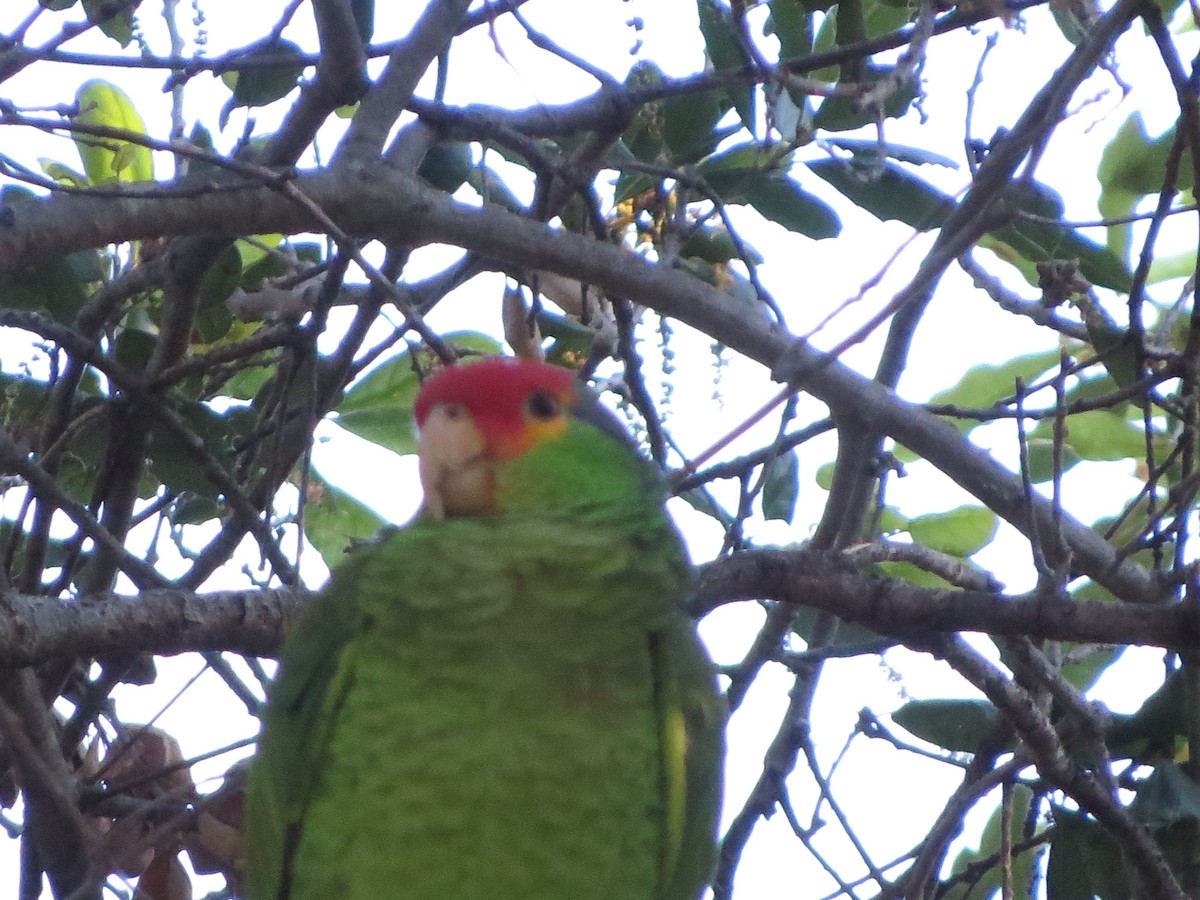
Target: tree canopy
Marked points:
228	231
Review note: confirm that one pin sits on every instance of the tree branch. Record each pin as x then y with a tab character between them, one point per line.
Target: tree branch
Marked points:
163	621
806	577
381	202
35	628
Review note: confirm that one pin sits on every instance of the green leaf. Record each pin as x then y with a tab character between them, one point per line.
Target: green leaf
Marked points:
1167	267
1099	434
259	266
713	244
689	126
885	16
752	174
728	170
721	44
792	112
491	187
133	348
631	184
334	520
728	281
57	550
572	340
781	487
1151	731
824	475
1023	243
790	23
266	84
918	156
115	20
891	522
1085	663
984	385
1039	453
55	284
1085	861
1166	798
700	500
221	278
848	633
1114	345
956	725
644	136
62	173
88	266
107	160
886	190
1133	522
826	38
851	29
781	200
22	402
48	285
246	383
213	318
201	139
379	407
1132	166
903	571
447	165
990	845
1169	8
958	532
172	459
861	19
844	113
195	511
253	252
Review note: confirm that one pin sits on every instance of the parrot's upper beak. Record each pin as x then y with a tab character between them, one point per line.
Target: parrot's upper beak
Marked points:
456	470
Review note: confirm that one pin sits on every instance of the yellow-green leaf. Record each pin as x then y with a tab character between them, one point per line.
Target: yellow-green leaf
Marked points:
958	532
109	159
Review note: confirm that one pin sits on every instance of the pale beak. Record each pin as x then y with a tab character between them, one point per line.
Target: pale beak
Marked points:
456	472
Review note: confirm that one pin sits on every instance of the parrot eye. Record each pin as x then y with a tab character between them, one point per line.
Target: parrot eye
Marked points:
543	406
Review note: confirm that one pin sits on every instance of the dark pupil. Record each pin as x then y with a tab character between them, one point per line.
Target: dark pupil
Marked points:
542	405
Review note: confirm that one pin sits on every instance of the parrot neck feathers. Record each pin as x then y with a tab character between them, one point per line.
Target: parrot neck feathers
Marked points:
584	474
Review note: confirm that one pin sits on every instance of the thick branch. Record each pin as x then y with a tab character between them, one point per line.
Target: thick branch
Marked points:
34	629
68	849
388	97
380	202
809	578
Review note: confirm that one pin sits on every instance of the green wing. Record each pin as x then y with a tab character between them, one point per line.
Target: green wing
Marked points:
316	670
691	717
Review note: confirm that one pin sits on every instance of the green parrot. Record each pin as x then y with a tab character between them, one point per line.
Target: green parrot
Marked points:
503	700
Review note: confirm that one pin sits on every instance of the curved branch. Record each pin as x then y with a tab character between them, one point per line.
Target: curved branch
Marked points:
806	577
382	106
163	621
375	200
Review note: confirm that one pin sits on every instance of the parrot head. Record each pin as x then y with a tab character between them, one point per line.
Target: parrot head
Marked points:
476	421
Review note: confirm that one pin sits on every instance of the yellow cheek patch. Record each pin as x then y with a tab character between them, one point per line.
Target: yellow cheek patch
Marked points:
511	443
